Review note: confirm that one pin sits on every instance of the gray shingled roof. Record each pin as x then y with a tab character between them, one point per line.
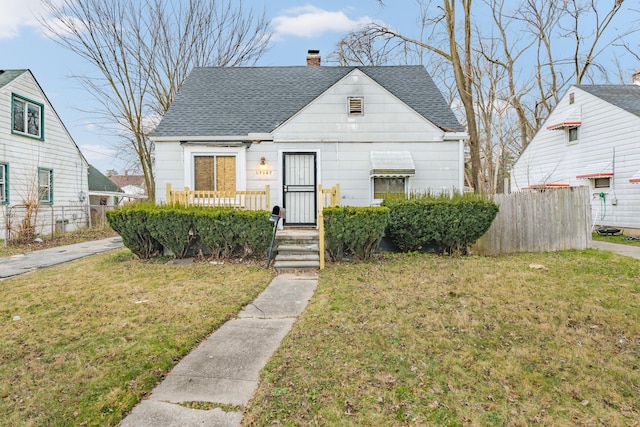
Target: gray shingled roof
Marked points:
626	97
7	76
226	101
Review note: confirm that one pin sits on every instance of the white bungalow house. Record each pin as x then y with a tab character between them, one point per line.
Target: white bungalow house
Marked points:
41	167
371	130
591	138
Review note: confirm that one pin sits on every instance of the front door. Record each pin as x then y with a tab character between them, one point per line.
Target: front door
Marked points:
299	188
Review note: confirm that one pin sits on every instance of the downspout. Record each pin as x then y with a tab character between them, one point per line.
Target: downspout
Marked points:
461	165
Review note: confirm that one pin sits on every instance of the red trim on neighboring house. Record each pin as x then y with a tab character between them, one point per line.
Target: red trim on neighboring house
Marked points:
539	186
564	125
635	180
595	175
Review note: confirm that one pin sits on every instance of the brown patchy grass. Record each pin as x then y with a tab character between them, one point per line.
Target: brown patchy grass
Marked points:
95	335
462	341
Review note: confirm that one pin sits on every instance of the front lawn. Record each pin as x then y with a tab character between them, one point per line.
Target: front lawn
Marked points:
531	339
82	343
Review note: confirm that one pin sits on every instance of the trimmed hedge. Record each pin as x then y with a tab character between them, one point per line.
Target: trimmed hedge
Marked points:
355	230
222	232
131	225
226	232
173	228
450	224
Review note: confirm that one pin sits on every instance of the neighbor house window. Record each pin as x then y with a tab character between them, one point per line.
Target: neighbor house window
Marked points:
356	106
214	173
45	185
602	182
573	134
28	117
4	183
389	187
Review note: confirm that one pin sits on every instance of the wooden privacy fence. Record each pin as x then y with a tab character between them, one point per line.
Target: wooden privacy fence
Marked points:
534	221
250	200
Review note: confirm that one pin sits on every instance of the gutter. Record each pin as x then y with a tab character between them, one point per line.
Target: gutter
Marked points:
249	138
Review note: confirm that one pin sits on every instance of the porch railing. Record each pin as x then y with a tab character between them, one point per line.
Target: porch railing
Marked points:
249	200
329	197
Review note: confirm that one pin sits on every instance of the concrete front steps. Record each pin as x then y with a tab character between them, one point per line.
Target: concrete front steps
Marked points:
297	249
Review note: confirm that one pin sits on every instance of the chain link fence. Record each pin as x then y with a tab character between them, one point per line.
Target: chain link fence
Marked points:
29	221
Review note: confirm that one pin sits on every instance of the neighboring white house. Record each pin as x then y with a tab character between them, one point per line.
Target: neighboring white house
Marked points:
42	171
132	185
372	130
591	138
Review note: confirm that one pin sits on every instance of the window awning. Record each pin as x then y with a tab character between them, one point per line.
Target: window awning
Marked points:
566	119
635	178
596	170
392	163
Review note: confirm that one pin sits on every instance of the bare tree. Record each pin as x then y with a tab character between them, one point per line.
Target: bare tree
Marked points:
578	12
457	52
365	46
143	51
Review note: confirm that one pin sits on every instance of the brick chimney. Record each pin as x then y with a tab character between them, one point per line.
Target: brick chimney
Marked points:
313	58
635	78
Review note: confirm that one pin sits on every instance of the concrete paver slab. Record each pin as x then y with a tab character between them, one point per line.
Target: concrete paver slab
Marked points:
234	354
156	414
286	296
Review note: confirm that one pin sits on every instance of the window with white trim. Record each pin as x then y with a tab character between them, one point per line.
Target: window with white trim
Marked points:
386	187
4	183
45	185
27	117
572	134
214	173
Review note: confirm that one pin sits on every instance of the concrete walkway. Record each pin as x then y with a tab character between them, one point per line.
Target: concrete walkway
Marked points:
225	368
23	263
627	250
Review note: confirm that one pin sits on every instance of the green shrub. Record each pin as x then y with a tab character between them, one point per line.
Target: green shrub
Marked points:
131	224
174	228
450	224
357	230
228	233
224	232
218	230
256	233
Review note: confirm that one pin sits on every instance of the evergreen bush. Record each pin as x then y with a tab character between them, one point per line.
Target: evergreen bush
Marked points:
356	230
448	223
131	224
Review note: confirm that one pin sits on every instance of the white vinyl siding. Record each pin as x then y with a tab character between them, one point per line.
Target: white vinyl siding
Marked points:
386	119
26	154
607	134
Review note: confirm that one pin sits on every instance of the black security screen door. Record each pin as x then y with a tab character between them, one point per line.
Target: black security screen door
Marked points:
299	189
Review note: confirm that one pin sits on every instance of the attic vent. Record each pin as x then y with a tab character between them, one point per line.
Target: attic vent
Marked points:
356	106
